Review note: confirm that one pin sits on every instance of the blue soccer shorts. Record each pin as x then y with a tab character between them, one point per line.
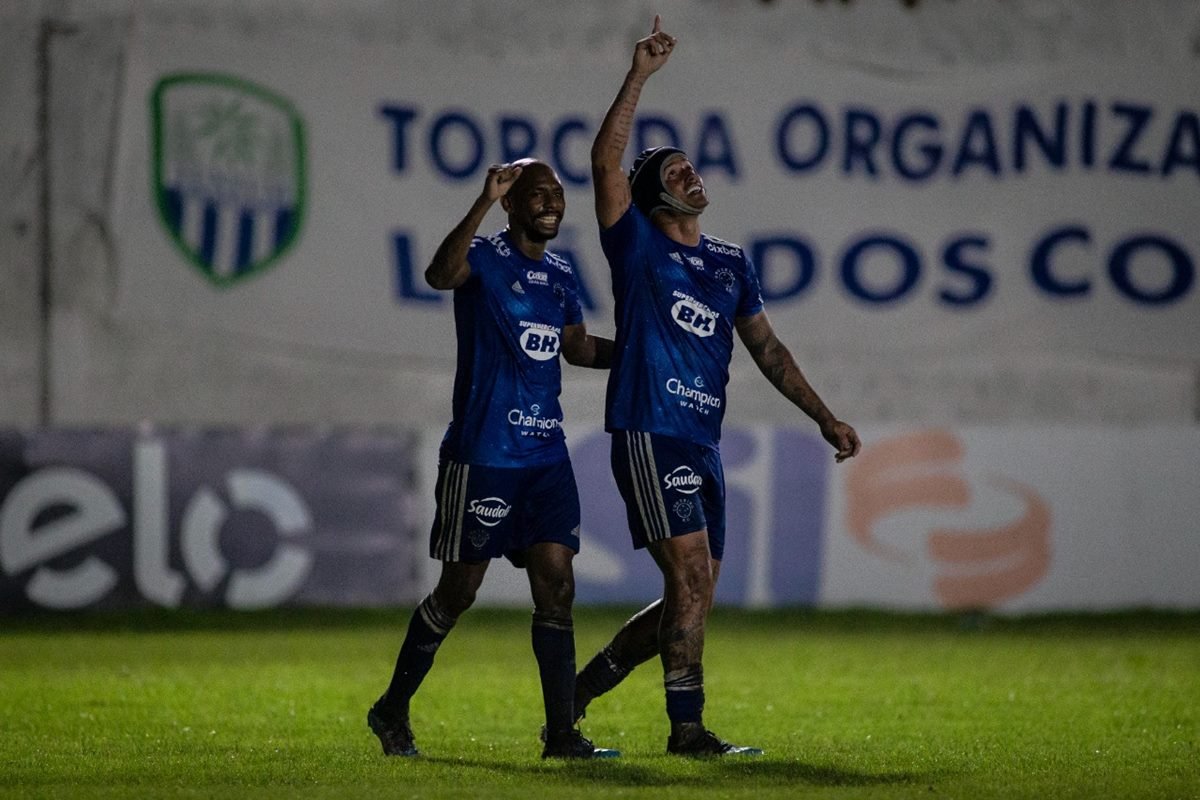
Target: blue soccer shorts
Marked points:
670	487
488	512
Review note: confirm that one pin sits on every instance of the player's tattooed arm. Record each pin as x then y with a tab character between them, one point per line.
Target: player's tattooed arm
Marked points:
449	268
775	362
584	350
611	185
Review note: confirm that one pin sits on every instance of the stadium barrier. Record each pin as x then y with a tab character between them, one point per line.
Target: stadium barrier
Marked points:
1011	520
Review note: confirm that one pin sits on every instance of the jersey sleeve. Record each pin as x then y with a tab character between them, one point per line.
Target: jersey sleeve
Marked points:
477	254
751	301
620	240
572	312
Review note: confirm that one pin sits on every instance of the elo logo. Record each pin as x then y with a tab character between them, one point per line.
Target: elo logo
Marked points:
92	510
976	567
694	317
539	344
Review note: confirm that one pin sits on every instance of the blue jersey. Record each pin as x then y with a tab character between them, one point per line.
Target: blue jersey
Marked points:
509	317
675	307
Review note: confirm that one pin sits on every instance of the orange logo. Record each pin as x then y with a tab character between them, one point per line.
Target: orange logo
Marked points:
977	567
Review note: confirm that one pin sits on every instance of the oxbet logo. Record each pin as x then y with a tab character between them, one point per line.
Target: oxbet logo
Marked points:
977	566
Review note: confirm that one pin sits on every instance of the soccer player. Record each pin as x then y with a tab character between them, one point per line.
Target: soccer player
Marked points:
505	485
680	294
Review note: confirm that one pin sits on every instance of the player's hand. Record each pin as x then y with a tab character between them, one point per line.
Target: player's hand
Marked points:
500	178
652	52
843	438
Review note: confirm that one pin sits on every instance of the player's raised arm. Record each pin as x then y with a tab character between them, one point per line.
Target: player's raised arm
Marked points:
611	185
449	268
776	363
582	349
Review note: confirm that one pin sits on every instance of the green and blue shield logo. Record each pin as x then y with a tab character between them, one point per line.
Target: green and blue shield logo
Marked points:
229	172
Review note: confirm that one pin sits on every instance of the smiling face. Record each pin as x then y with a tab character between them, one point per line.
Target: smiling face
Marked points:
680	179
535	203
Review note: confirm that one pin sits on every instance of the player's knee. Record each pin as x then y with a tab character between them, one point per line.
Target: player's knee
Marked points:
456	600
694	583
555	596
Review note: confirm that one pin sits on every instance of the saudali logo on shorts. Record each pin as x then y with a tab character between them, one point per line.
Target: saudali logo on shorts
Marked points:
489	511
229	172
683	479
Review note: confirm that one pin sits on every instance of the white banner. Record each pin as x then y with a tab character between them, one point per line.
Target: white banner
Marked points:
295	190
1010	520
1017	519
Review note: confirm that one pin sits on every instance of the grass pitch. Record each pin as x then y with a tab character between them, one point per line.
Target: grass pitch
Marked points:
846	705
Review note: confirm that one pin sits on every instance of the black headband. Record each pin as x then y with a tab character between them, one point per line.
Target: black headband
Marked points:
646	182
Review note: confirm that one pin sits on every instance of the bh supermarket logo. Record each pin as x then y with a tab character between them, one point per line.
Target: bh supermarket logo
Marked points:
229	176
976	566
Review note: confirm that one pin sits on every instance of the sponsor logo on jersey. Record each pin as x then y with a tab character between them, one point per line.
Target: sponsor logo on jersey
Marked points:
489	511
531	422
499	244
677	258
540	342
538	277
558	261
693	316
518	288
723	248
700	398
683	479
697	262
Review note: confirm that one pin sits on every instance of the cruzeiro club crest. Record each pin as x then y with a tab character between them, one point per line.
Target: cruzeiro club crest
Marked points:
228	172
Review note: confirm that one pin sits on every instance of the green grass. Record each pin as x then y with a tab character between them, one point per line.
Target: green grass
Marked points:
846	705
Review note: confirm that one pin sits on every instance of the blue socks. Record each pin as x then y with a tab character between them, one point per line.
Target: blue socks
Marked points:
426	632
685	694
554	648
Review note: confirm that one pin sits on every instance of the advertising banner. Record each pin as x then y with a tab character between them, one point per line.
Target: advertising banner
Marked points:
236	519
1010	520
295	189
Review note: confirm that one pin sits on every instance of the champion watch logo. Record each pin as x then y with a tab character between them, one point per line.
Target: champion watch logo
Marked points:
229	172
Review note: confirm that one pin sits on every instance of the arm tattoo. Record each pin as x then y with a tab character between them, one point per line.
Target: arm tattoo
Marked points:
778	366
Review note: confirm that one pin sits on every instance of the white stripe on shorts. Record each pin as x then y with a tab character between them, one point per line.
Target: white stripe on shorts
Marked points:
454	491
644	472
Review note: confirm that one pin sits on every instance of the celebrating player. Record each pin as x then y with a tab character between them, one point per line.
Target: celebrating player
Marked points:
505	485
679	294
